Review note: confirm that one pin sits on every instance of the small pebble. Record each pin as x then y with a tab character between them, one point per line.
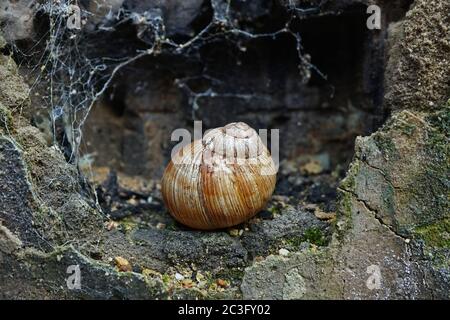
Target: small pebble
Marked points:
133	201
283	252
150	272
160	226
199	277
280	198
179	276
311	168
234	232
222	283
187	283
321	215
123	264
311	207
110	225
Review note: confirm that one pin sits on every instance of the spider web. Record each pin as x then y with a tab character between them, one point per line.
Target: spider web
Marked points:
75	79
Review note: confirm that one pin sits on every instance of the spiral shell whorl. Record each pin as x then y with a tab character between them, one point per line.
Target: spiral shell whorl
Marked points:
219	183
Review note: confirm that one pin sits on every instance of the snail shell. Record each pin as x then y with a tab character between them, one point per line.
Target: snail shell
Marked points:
221	180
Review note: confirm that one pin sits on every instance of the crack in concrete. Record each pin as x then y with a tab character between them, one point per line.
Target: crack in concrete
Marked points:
374	212
380	220
385	176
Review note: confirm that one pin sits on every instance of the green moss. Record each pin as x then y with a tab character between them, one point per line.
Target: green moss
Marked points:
128	224
347	187
436	235
274	210
405	127
441	258
312	235
315	236
388	195
385	144
294	242
441	119
188	294
2	41
233	275
6	119
345	206
166	279
349	182
435	176
438	134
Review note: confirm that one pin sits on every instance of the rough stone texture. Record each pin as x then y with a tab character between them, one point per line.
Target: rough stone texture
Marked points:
9	242
403	168
17	18
28	268
15	194
304	275
390	222
417	73
161	249
37	182
13	91
41	207
289	230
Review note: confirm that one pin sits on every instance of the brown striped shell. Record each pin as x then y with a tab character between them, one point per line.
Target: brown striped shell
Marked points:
219	181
